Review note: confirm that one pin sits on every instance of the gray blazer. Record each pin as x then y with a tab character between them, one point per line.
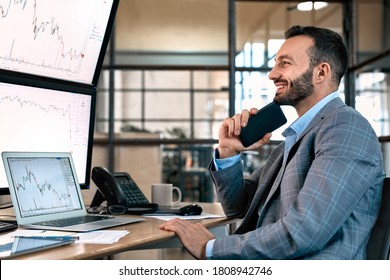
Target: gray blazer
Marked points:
321	204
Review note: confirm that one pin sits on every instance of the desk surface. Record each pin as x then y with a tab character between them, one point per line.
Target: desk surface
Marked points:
141	234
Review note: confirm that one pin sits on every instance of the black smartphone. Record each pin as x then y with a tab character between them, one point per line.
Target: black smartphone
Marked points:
267	119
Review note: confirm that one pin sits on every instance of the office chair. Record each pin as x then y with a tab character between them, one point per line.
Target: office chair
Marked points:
378	247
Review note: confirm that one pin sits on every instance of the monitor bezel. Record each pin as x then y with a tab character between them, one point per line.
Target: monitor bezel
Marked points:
106	40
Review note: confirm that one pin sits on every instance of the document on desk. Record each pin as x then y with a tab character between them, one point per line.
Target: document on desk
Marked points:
192	217
95	237
101	236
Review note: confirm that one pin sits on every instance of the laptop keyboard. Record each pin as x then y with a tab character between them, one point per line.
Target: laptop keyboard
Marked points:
74	221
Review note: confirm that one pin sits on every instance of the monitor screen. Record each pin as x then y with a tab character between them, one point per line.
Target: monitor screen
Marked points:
47	120
63	40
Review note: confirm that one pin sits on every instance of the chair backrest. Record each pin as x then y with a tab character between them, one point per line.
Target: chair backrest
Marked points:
378	247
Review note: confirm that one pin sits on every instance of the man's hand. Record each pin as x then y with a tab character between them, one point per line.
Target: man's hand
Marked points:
229	143
193	236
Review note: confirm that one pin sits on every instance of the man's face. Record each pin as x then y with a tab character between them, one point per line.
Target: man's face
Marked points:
292	74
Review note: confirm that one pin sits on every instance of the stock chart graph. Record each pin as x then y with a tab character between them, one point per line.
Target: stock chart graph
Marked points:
61	41
38	119
39	187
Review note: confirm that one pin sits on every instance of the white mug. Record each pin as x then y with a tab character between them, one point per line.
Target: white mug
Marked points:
162	194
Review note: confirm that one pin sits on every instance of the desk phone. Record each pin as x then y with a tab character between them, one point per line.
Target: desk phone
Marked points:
120	189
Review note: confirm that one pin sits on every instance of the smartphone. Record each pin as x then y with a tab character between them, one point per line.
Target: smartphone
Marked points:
267	119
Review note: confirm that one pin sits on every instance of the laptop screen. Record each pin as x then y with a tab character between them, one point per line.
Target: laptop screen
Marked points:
44	185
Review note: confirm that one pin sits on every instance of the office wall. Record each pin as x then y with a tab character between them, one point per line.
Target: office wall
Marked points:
168	25
172	25
370	26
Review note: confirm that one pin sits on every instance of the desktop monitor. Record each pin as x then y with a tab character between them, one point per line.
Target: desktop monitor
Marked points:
51	55
47	120
64	40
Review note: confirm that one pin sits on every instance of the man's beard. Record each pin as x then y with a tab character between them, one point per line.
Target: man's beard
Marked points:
301	88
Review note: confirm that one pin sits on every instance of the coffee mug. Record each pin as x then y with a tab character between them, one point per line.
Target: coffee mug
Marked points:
162	194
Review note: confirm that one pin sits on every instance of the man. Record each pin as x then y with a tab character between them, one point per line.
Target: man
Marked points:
319	193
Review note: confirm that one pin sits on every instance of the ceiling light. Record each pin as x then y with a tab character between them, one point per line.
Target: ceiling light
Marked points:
305	6
309	5
320	5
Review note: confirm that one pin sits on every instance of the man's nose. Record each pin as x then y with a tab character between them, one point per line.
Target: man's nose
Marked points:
273	74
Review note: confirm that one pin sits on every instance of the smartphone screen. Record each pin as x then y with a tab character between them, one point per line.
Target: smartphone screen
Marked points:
267	119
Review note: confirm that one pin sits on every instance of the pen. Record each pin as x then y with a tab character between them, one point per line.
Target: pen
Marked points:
53	237
64	237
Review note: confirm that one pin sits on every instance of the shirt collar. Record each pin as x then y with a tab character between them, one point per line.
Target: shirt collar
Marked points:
298	126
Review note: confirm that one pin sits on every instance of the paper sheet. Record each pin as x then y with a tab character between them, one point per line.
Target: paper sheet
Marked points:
101	236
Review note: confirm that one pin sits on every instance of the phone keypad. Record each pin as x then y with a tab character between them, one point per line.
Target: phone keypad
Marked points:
133	193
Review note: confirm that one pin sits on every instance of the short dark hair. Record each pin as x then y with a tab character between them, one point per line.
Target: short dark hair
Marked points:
328	47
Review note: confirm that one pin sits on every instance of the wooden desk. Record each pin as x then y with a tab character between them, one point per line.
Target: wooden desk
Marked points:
142	235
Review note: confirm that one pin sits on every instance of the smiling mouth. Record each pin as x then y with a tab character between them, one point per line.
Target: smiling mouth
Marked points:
280	87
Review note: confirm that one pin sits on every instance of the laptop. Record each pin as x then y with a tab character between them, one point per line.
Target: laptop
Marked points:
46	195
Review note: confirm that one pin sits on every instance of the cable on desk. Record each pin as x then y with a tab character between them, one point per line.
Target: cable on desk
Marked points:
8	219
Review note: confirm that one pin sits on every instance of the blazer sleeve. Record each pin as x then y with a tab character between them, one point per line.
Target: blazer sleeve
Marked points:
235	193
231	191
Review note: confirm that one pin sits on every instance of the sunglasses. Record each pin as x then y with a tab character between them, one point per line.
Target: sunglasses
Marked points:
137	209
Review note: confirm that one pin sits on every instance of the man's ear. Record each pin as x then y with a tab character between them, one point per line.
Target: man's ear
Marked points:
322	72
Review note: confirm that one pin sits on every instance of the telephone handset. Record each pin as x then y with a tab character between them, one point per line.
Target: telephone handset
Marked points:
120	189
